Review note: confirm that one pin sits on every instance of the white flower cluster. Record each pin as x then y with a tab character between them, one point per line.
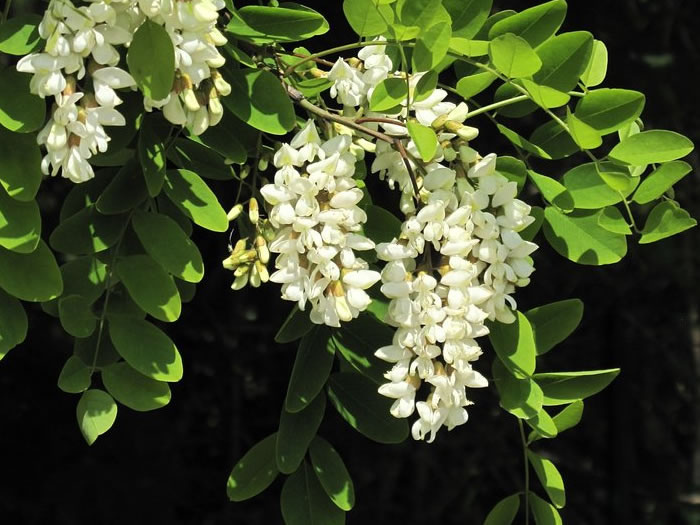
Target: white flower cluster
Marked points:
314	204
457	261
473	258
82	41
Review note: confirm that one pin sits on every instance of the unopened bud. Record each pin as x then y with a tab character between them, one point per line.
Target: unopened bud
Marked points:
262	271
240	281
244	172
262	249
216	110
268	231
468	133
255	279
253	211
343	309
234	212
223	87
200	123
449	154
241	270
263	163
318	73
439	122
354	62
190	98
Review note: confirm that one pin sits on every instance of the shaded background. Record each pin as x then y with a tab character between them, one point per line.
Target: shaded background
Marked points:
634	459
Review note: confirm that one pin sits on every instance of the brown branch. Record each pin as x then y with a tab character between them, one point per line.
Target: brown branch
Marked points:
402	151
380	119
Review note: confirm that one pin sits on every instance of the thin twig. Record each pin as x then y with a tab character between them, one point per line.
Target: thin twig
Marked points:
402	151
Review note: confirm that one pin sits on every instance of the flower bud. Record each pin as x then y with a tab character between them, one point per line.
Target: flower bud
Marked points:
223	87
253	210
255	279
240	281
200	123
439	122
241	270
190	99
245	171
234	212
263	163
262	271
468	132
262	249
216	110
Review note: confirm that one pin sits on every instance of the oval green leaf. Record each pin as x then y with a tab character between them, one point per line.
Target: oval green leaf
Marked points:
504	512
552	323
150	286
561	388
549	477
133	389
31	277
254	472
154	77
96	412
513	56
13	323
665	220
650	147
20	111
75	376
334	477
20	224
21	165
76	316
312	365
661	180
191	194
20	35
608	110
514	345
295	433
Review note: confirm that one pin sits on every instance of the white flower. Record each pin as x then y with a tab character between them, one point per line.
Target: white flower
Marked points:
348	86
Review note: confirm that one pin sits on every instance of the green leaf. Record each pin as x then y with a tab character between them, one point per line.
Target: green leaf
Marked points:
418	13
504	512
545	96
469	48
554	139
367	17
569	416
608	110
84	276
223	139
20	35
388	94
472	85
146	348
578	237
531	231
20	111
304	502
254	472
154	77
30	277
431	47
193	197
86	350
618	179
151	287
514	345
661	180
125	191
296	432
312	366
279	23
535	25
75	376
21	165
425	86
508	91
204	161
88	231
519	141
151	152
357	401
561	388
553	191
552	323
513	169
597	67
665	220
260	101
311	87
520	397
564	58
468	16
294	327
357	341
332	474
588	189
543	425
96	412
584	135
424	138
513	56
650	147
20	224
133	389
165	241
544	513
13	323
549	477
76	316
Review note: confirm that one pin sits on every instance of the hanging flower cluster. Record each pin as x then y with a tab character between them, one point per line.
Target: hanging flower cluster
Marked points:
457	261
79	68
313	205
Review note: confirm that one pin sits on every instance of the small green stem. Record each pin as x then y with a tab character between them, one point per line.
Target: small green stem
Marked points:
496	105
633	223
527	471
332	51
6	10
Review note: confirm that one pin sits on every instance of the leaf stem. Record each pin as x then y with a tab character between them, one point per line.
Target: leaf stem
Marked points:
633	223
402	151
527	472
6	10
496	105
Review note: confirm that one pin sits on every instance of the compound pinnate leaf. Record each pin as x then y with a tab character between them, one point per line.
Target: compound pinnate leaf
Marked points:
254	472
96	413
146	348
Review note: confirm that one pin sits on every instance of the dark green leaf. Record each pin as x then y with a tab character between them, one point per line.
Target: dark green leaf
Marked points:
552	323
125	191
76	316
564	59
75	376
531	231
561	388
151	151
133	389
554	139
425	86
468	16
96	412
20	35
13	323
193	197
332	474
21	165
32	276
311	368
535	25
357	401
296	432
85	350
88	231
154	77
146	348
165	241
20	111
150	286
550	478
357	341
520	397
513	169
304	502
20	224
254	472
294	327
204	161
222	139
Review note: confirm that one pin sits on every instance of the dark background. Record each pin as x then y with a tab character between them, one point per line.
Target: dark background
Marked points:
634	459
